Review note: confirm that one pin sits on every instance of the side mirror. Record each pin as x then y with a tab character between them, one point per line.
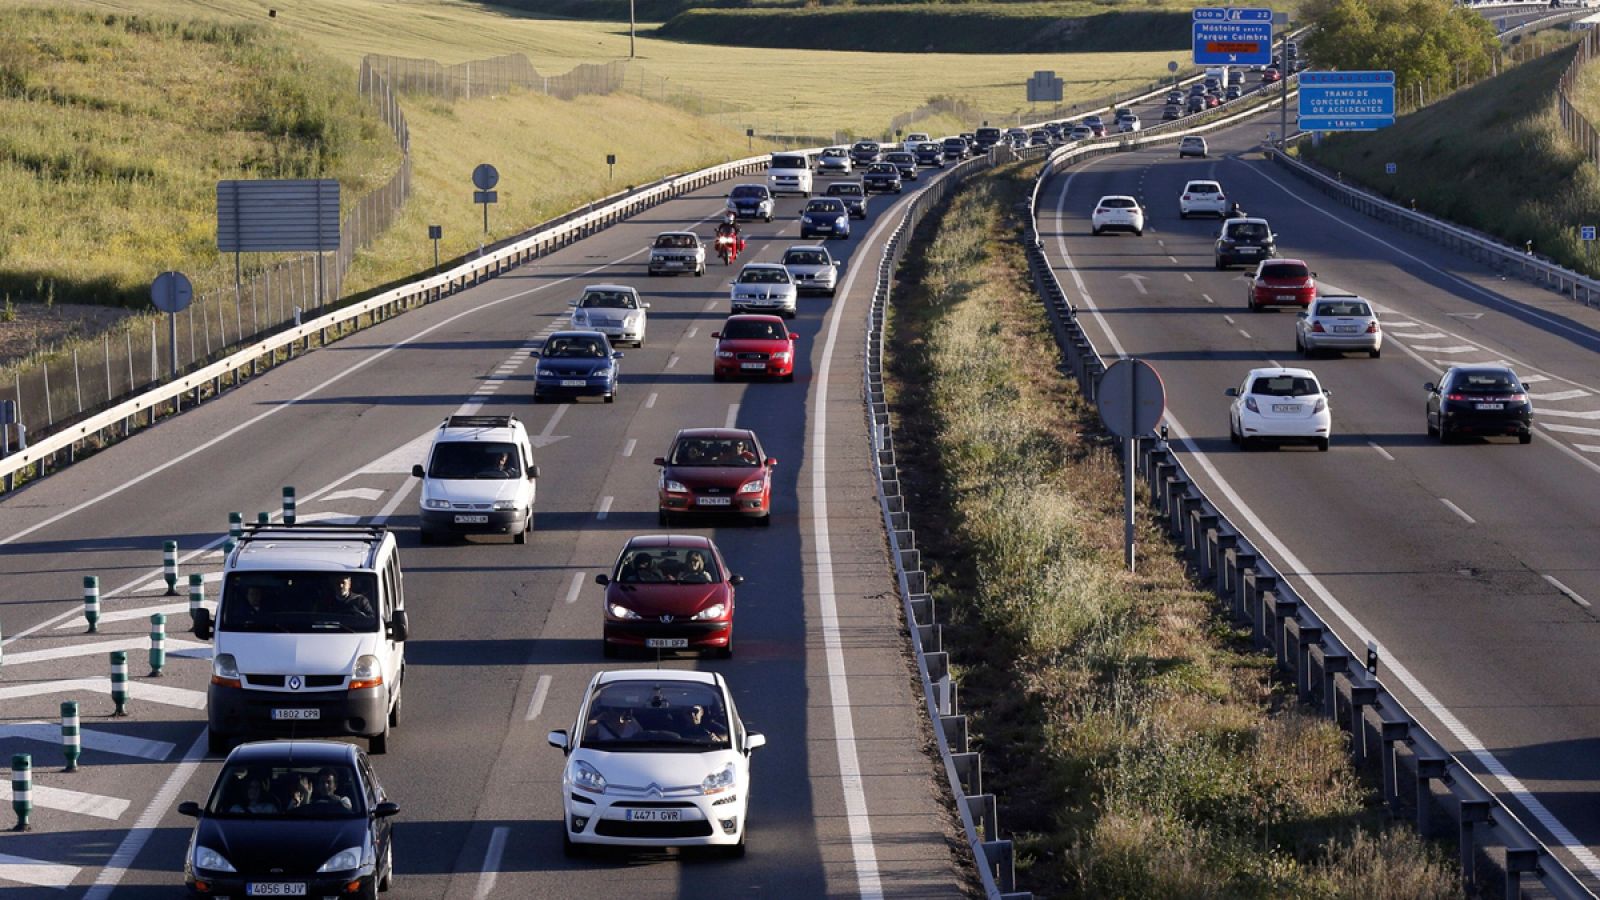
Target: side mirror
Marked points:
416	471
644	306
386	809
189	808
533	472
1327	392
717	335
558	739
572	302
1232	392
754	741
1430	388
202	624
616	354
736	580
772	461
659	461
602	579
533	353
399	627
793	336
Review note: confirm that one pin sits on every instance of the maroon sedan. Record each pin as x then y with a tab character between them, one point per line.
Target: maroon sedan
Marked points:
754	345
1281	282
669	592
716	470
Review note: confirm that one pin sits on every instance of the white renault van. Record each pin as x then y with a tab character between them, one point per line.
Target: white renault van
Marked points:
310	636
789	173
480	477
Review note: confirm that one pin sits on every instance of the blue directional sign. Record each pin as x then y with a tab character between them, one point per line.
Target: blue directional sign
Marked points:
1232	37
1586	232
1346	101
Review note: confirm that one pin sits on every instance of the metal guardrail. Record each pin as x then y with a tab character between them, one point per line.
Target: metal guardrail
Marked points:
1420	779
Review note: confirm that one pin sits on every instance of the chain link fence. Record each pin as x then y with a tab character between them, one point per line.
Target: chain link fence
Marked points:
492	77
1577	127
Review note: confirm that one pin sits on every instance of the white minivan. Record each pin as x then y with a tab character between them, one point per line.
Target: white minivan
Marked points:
480	477
789	173
310	635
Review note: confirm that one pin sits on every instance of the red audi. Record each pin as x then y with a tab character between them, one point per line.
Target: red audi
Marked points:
669	592
1281	282
716	470
754	345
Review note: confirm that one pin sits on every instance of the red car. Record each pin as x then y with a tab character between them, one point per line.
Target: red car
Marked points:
1281	282
669	592
716	470
754	345
1271	76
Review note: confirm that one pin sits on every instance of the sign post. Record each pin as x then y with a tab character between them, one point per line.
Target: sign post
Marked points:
1346	101
611	165
172	293
435	232
1231	36
1044	87
1132	401
484	178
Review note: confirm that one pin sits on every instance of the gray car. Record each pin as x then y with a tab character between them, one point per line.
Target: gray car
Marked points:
835	161
1340	323
614	310
813	268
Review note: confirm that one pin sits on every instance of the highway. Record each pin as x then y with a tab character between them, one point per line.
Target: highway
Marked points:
504	638
1472	564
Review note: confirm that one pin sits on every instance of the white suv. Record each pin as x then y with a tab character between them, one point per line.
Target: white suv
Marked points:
1202	197
913	139
479	479
789	173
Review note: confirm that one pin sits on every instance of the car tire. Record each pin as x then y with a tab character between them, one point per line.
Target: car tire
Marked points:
765	521
386	883
569	848
369	892
769	220
1444	433
218	744
1246	443
397	710
1182	214
378	744
700	272
1322	444
651	273
736	851
1233	434
789	378
1524	437
425	538
1139	233
789	314
725	652
716	375
1432	431
521	537
663	518
1219	264
606	650
612	397
1375	353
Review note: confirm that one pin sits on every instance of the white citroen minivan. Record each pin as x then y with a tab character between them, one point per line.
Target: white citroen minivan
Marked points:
480	477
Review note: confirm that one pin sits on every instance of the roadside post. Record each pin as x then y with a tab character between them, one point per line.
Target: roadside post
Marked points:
197	596
91	602
435	232
169	566
119	682
22	789
71	740
484	178
1132	400
1587	234
172	293
611	166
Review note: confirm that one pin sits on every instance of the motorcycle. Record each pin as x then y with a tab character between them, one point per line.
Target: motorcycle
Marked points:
728	247
1236	212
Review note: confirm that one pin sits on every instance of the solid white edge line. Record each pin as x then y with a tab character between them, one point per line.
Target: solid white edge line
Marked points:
1331	606
1382	452
605	508
541	690
574	588
1571	594
123	857
733	415
1458	511
491	862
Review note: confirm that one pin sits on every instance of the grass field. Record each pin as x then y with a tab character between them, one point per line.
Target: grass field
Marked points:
1137	746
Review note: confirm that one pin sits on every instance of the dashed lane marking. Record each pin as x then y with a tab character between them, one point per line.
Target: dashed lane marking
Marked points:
1382	452
605	508
80	802
627	449
1458	511
36	873
1556	396
1455	348
90	738
733	415
650	401
491	862
572	589
1571	594
541	690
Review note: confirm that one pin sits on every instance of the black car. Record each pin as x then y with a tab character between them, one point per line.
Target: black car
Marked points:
929	154
986	137
972	141
883	178
1479	400
1245	241
863	152
292	819
1197	103
854	196
905	161
955	149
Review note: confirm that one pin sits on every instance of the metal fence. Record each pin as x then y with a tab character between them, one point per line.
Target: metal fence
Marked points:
492	77
1578	128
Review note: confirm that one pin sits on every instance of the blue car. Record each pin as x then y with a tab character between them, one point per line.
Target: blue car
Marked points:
825	217
576	364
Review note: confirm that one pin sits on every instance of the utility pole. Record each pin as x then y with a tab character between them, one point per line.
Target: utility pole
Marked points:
1283	77
630	28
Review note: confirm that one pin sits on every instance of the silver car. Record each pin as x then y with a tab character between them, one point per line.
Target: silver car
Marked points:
812	268
1340	323
677	251
614	310
835	161
764	287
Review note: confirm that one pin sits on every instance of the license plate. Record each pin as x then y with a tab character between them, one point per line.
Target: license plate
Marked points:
1491	406
276	889
673	264
1249	250
1286	407
472	520
743	366
818	228
656	815
1285	298
296	715
664	644
714	501
574	382
1345	329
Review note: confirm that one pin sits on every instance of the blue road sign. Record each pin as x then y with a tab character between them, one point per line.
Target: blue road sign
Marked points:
1346	101
1232	14
1586	232
1232	37
1390	168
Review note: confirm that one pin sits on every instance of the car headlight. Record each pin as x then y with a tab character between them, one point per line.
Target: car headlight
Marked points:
675	487
435	504
343	861
601	373
840	221
547	373
587	778
781	356
717	782
753	487
223	665
366	673
618	611
724	354
207	858
714	611
505	504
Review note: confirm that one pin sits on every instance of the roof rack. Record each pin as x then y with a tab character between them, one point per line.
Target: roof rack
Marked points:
316	531
478	422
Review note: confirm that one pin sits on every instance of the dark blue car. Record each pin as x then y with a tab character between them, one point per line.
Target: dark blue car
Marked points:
825	217
576	364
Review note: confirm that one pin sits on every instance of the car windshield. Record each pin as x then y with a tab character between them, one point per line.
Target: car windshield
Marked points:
1203	187
574	347
763	276
285	791
709	451
1290	271
1342	308
656	716
881	169
748	192
1485	381
825	206
1284	386
676	241
788	162
866	146
299	602
753	330
608	300
1248	231
667	565
1118	203
844	190
1192	142
474	459
833	153
805	258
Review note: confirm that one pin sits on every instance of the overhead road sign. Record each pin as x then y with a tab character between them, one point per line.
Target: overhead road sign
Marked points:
1232	37
1044	87
258	216
1346	101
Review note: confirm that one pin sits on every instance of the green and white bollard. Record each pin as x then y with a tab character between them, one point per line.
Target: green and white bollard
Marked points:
197	596
91	601
263	518
235	524
227	548
158	644
169	566
119	681
71	740
288	506
22	789
2	646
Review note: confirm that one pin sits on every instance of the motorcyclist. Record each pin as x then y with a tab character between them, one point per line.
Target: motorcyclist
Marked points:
729	228
1236	211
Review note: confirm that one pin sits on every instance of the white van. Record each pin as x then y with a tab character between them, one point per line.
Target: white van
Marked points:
480	477
1223	75
310	636
789	173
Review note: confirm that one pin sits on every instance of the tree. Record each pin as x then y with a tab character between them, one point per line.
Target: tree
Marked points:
1417	39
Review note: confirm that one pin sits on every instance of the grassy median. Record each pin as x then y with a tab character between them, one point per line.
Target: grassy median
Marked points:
1138	746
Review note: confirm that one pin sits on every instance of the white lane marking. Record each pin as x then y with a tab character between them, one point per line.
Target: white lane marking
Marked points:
80	802
1556	396
733	415
133	842
672	361
368	494
1587	448
1174	261
1410	336
1229	320
1454	348
1531	379
541	690
1188	277
90	738
1458	511
574	587
143	612
1402	324
692	332
627	449
37	872
1246	334
141	642
605	508
1336	610
1572	429
140	477
548	436
491	861
101	685
650	401
400	494
711	305
330	517
1571	594
1382	452
1207	298
403	457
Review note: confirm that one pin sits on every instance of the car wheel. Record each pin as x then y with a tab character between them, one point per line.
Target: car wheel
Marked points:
378	744
1524	437
716	375
612	397
425	538
1139	233
1246	443
700	271
1219	264
725	652
765	521
769	220
663	518
1094	231
1374	353
397	711
521	537
538	397
1322	444
386	883
651	273
736	851
1432	431
1182	214
606	650
569	849
218	744
1444	433
1233	433
789	378
789	314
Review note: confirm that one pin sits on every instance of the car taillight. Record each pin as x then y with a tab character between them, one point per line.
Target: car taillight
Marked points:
1098	211
1459	398
1250	404
1372	328
1517	398
1317	327
1222	198
1186	197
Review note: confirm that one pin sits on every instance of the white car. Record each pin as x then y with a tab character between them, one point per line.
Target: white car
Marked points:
1339	323
1193	146
656	758
835	161
677	251
479	478
1202	197
764	287
812	267
1080	133
1117	212
789	173
1128	124
614	310
913	139
1279	405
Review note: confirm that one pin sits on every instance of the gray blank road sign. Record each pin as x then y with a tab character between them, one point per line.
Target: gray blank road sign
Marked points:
1044	87
277	214
171	292
1131	398
485	177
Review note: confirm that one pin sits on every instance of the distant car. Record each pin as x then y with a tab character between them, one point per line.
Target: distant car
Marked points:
1213	101
668	592
834	161
1245	240
955	149
789	173
824	217
1192	146
1196	104
864	152
912	140
984	138
1082	132
1202	197
853	195
750	201
1038	138
812	268
1279	405
674	771
1117	213
615	311
905	161
1129	124
677	251
718	470
1096	124
253	839
754	345
1271	76
1340	323
1281	282
1479	400
764	287
479	478
1233	93
972	141
1171	113
576	364
929	154
884	178
1174	96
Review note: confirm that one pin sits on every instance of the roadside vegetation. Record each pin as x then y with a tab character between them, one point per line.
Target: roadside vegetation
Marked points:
1139	747
1419	40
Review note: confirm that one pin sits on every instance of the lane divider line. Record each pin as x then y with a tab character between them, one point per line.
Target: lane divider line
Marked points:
733	415
1571	595
574	587
541	690
1458	511
605	509
491	862
627	449
1381	452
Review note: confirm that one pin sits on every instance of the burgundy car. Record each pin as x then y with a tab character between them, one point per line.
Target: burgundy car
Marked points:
754	345
1281	282
669	592
716	470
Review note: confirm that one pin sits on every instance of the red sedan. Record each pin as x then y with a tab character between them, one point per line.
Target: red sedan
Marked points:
754	345
669	592
716	470
1281	282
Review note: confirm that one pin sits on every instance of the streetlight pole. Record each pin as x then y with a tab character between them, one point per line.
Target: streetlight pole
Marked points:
1283	76
630	29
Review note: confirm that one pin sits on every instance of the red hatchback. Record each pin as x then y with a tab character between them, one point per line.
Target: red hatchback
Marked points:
669	592
716	470
1281	282
754	345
